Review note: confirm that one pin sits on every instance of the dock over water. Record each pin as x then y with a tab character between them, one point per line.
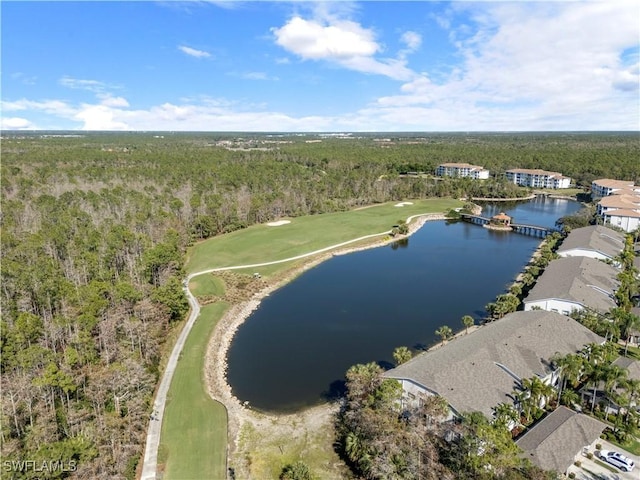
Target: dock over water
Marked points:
524	229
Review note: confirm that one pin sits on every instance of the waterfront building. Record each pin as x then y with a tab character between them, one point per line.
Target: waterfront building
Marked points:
462	170
536	178
478	371
627	220
574	283
619	203
594	241
606	186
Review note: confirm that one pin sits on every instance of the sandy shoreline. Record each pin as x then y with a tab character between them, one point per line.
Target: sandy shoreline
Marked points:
215	362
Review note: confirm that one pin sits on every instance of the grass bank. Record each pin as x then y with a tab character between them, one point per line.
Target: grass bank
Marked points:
194	431
262	243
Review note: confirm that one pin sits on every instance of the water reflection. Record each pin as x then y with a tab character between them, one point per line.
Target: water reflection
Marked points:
294	350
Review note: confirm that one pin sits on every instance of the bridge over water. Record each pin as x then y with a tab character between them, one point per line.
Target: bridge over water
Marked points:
524	229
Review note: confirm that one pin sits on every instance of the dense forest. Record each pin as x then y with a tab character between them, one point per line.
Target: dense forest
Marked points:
95	228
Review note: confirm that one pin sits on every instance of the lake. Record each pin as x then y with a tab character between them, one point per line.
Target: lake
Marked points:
294	350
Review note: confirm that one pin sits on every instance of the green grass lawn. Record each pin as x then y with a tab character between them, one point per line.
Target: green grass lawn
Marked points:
206	285
632	445
194	430
261	243
632	352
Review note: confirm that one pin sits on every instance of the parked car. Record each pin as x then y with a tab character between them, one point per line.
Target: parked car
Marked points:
618	460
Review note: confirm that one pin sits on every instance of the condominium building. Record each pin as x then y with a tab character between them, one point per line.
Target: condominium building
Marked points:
462	170
536	178
605	186
619	203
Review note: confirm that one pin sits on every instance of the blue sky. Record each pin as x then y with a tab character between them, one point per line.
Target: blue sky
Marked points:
321	66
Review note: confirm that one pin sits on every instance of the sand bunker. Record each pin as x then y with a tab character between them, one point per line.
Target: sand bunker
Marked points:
278	223
402	204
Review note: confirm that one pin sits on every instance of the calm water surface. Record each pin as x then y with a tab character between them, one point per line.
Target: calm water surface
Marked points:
294	350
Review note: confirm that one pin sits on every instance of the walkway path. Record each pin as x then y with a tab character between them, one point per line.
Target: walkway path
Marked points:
150	461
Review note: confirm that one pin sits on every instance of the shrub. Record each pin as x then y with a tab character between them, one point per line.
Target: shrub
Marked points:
572	475
296	471
589	455
577	463
598	446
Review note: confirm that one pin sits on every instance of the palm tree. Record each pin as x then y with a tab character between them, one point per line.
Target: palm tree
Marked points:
444	332
569	397
357	451
597	373
528	279
506	303
627	323
505	414
516	289
632	387
524	402
571	367
353	446
610	329
491	309
401	355
613	376
539	391
595	353
560	362
467	321
629	428
403	228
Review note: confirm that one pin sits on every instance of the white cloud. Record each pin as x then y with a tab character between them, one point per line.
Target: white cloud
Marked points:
52	107
525	66
310	39
100	117
627	80
257	76
83	84
530	66
16	123
110	101
192	52
412	40
342	42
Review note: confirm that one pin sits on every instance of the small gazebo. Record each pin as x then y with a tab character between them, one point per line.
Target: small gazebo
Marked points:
501	220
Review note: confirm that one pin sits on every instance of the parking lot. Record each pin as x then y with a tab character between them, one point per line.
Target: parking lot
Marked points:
590	470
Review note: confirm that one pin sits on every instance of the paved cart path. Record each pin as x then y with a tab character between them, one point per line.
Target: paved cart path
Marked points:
150	461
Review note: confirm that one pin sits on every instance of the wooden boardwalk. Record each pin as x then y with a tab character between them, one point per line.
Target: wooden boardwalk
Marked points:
531	230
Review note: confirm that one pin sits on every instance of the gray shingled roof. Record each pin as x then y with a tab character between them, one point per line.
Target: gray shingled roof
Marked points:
478	371
630	365
597	238
553	443
574	279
